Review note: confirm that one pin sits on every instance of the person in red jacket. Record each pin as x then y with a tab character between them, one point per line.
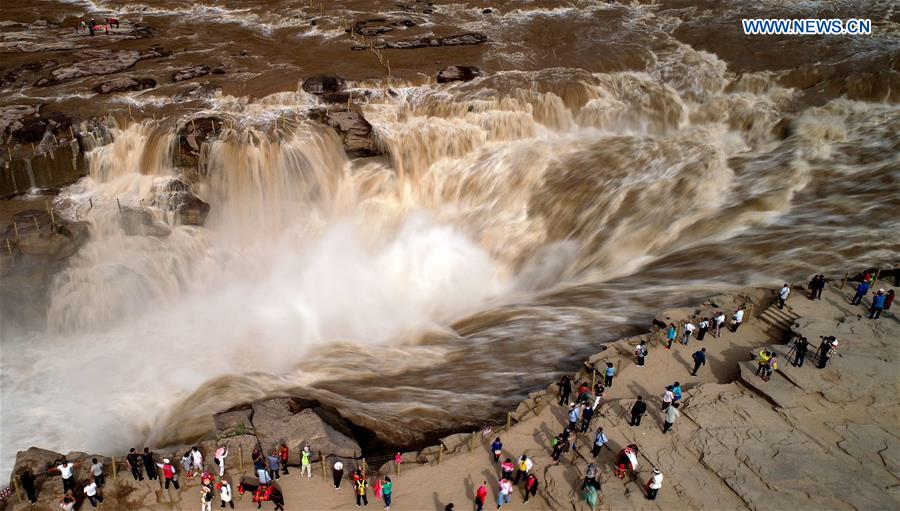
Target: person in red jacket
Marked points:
480	496
283	456
531	486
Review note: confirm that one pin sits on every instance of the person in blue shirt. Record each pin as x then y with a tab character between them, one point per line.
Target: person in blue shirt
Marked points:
573	417
497	449
699	360
861	291
671	332
877	304
599	441
610	372
676	390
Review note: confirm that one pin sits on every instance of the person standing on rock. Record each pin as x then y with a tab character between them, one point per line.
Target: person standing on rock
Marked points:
586	415
283	455
825	350
337	474
168	472
609	374
134	465
225	494
736	319
196	459
671	333
149	464
186	462
637	411
573	416
599	441
770	367
557	444
878	300
719	321
565	390
676	392
523	467
820	286
783	295
861	291
702	328
889	299
497	449
801	345
481	496
305	462
654	484
699	360
531	486
640	351
764	356
97	472
90	491
668	397
688	332
672	414
206	495
219	459
27	479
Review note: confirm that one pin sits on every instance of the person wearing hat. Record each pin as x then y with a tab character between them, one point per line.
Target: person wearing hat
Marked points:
168	471
225	494
337	474
877	304
654	484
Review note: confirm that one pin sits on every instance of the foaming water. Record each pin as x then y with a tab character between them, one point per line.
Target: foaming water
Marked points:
514	223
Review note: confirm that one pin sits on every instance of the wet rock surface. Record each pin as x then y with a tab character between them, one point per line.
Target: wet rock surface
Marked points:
191	138
323	84
124	84
458	74
354	129
190	73
99	62
468	38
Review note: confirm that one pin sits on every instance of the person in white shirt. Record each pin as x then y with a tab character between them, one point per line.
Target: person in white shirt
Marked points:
668	397
783	295
65	469
688	331
640	351
736	319
219	457
67	503
225	494
196	459
90	491
720	320
97	471
654	484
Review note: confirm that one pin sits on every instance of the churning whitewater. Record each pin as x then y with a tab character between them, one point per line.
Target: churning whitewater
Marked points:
515	222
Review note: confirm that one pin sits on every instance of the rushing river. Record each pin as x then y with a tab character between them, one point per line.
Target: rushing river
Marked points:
607	165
